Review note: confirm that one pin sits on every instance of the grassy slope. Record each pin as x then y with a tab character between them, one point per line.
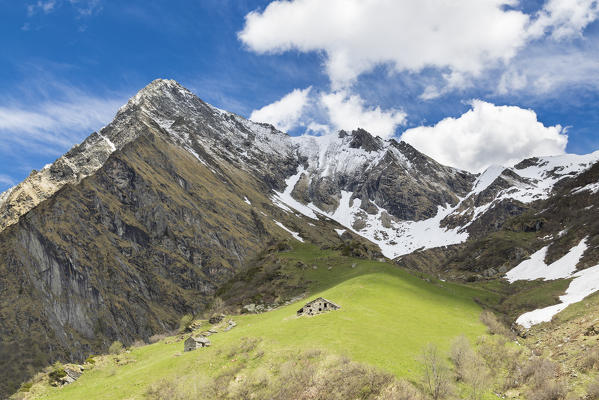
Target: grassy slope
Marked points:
387	316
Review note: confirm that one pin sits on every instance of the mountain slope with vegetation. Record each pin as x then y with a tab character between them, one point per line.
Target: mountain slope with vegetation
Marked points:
387	316
176	204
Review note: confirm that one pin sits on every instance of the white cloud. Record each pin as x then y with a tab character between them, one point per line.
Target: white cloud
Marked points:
547	73
463	37
285	113
564	18
83	7
43	6
326	112
487	134
349	111
6	180
55	125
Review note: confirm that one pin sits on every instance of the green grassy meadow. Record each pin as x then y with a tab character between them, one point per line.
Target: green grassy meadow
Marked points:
387	315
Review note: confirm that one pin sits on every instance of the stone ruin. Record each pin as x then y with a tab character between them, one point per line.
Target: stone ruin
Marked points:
318	306
193	343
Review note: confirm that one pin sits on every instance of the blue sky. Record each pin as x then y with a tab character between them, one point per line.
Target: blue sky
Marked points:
67	65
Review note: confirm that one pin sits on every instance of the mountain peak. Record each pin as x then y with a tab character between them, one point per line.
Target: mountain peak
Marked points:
157	91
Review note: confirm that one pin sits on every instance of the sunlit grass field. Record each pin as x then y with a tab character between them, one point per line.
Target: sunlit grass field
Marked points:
387	315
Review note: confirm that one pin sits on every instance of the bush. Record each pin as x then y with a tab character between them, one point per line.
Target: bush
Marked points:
495	326
548	390
116	348
492	350
185	323
56	372
402	390
157	338
90	360
163	389
477	376
437	377
25	387
307	375
590	360
460	353
593	390
540	370
217	306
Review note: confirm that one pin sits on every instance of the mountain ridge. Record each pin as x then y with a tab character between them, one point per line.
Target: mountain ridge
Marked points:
146	218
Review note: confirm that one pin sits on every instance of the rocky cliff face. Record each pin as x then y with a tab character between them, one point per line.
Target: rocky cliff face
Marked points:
146	218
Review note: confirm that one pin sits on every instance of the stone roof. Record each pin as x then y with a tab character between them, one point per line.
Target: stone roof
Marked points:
200	339
323	299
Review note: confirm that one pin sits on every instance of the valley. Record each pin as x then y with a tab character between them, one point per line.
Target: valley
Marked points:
176	207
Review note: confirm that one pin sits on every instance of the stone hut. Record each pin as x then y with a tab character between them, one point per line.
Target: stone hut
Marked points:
317	306
193	343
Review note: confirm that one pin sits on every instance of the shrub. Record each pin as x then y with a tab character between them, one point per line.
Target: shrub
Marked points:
25	387
460	353
116	348
590	360
539	370
437	377
513	366
593	390
548	390
218	306
401	390
185	323
163	389
495	326
56	372
246	346
476	375
90	360
157	338
492	351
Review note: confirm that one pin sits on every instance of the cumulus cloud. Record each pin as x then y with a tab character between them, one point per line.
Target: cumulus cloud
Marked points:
464	43
285	113
327	112
349	111
487	134
460	36
564	18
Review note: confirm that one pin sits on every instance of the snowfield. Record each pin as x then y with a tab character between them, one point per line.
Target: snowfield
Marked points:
585	282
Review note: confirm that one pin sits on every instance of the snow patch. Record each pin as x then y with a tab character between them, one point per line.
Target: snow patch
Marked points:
487	178
294	234
591	187
247	200
340	231
585	282
546	172
397	237
108	142
535	267
286	198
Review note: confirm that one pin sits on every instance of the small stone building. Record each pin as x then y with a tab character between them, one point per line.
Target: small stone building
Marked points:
193	343
317	306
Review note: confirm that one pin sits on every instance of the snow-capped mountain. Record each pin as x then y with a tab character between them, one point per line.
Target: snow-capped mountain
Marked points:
385	191
146	219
